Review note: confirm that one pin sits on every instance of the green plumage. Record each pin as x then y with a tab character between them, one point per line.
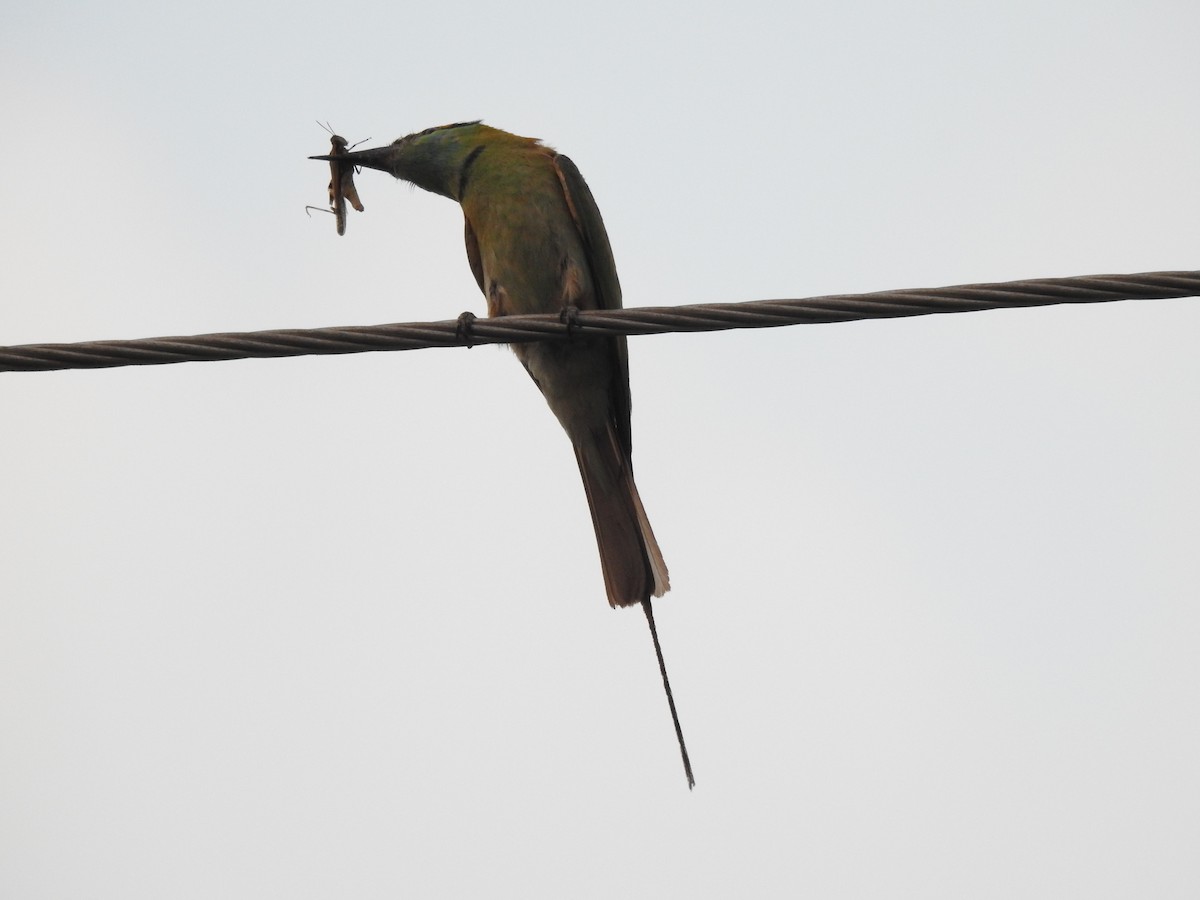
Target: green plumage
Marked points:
536	244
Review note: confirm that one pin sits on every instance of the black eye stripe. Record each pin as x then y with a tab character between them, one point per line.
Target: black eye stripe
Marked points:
466	170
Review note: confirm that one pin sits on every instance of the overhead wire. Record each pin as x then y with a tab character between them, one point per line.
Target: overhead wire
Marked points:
469	331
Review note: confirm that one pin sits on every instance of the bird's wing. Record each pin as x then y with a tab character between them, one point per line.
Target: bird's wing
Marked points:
586	214
595	239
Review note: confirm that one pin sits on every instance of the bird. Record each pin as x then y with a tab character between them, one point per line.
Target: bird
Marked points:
536	243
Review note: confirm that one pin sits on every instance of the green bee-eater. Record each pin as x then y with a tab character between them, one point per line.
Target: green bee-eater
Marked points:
536	244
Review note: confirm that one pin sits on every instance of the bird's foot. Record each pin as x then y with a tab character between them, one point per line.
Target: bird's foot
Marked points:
569	316
462	331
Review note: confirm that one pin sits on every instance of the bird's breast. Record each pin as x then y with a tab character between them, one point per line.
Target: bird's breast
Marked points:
530	251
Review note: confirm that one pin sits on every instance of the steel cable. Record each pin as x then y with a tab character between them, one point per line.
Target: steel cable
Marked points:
468	331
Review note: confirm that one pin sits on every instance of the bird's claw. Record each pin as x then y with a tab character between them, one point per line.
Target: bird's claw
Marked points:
569	316
462	331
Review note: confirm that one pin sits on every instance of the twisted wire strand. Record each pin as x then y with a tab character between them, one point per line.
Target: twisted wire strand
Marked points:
468	331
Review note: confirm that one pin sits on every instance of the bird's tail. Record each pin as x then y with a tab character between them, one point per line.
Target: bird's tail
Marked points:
629	556
633	565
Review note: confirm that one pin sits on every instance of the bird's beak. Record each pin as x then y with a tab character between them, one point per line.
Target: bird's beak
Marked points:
375	158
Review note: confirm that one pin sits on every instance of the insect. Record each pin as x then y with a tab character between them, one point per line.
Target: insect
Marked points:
341	182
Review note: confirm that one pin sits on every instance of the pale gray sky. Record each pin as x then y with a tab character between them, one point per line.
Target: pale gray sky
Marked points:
336	627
